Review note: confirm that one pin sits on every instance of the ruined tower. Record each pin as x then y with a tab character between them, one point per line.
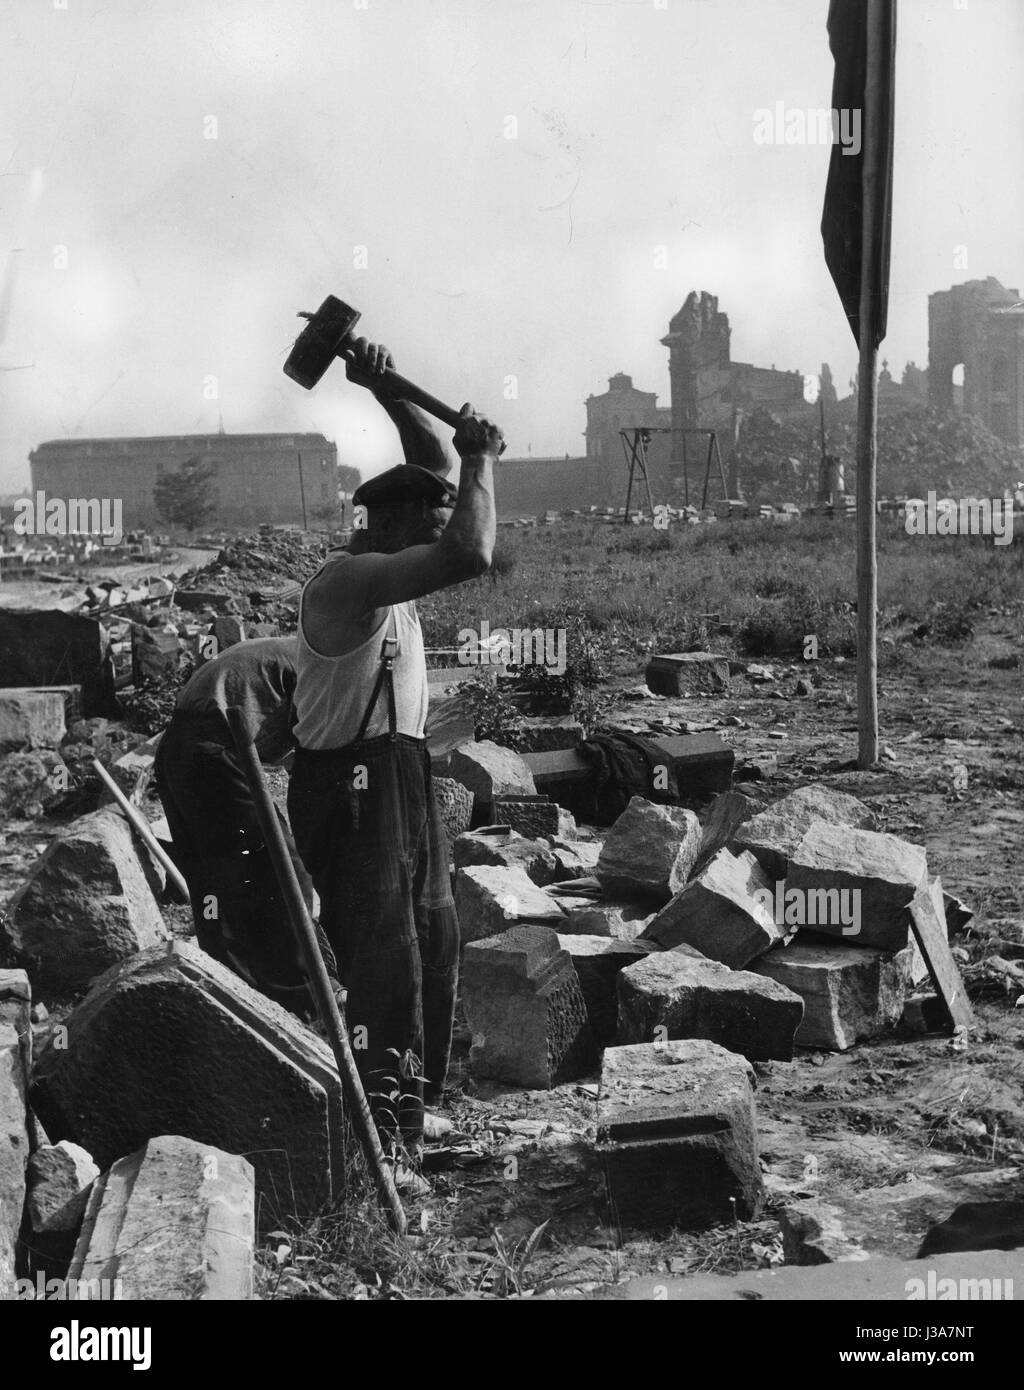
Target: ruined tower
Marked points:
979	325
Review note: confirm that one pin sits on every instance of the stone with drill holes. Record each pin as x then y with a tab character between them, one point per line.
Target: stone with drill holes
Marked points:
850	993
454	804
534	816
525	1010
649	851
597	961
775	833
682	994
677	1135
719	914
173	1042
30	719
175	1220
882	870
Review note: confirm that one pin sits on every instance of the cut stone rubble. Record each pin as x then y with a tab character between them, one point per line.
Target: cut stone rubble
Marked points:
15	1059
490	900
649	850
173	1042
881	871
677	1135
718	913
774	834
176	1220
85	906
850	993
682	994
525	1009
597	961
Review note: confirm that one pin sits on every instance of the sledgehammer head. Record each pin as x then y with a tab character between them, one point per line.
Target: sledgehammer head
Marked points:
323	337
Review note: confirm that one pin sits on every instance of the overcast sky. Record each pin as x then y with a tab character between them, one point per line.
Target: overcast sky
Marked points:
338	127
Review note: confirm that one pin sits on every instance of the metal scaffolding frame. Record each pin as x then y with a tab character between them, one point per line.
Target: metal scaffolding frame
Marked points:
635	440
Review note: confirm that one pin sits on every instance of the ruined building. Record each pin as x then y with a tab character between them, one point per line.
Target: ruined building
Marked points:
979	325
708	391
283	478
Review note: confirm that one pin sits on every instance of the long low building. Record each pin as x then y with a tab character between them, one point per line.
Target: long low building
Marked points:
282	478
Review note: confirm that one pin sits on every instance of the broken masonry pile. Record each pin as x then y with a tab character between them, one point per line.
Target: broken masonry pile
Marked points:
670	950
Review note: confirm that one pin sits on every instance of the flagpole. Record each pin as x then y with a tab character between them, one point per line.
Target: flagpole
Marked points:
867	399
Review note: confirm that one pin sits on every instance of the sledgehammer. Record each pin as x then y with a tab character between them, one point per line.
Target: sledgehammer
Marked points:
316	974
327	335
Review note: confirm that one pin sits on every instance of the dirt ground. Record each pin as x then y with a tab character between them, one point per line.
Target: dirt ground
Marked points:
517	1202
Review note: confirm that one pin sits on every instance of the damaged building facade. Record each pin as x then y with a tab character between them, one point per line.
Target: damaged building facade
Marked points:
282	478
979	326
708	391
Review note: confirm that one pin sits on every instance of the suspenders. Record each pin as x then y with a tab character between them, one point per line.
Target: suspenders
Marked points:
385	676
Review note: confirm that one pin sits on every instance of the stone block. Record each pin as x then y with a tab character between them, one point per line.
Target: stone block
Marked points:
702	764
500	847
173	1042
850	993
86	904
30	719
649	851
525	1010
490	900
882	871
156	655
685	995
173	1221
490	771
719	914
725	815
546	735
677	1135
533	816
13	1149
621	921
597	961
40	647
575	858
688	673
455	806
775	833
59	1177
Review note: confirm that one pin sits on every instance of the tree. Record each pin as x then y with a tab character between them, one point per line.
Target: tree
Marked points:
187	498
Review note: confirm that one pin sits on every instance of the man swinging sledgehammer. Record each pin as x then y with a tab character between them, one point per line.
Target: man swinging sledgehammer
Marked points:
360	800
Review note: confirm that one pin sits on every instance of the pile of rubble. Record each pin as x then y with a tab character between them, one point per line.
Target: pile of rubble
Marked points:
671	951
687	951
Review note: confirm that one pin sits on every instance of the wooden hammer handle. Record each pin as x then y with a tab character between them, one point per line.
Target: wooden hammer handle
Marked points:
405	390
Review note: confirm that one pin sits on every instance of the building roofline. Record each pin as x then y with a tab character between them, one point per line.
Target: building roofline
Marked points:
183	438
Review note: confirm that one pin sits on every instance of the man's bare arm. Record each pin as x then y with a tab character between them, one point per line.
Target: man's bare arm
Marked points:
421	443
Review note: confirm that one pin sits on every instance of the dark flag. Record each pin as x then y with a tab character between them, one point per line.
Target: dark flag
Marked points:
862	100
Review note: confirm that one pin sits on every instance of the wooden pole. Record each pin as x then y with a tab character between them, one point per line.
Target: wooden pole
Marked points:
867	401
141	827
316	974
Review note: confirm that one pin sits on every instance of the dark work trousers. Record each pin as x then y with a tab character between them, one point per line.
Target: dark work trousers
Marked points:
368	830
239	913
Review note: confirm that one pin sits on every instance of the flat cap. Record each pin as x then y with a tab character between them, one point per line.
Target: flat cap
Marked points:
406	483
